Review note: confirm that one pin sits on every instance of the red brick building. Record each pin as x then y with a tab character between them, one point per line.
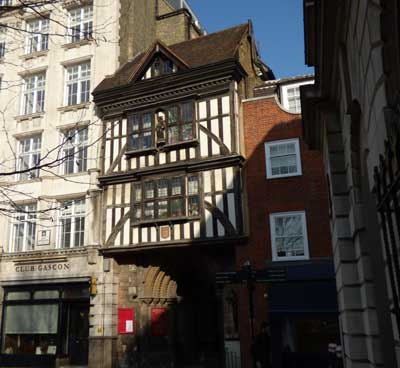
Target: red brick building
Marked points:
288	222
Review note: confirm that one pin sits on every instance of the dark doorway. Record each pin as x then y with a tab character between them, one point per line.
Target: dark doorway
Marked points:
76	337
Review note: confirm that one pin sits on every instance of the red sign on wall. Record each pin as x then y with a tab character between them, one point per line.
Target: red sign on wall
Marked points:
126	321
159	321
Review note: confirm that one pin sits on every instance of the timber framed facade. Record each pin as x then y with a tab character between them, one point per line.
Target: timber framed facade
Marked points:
173	203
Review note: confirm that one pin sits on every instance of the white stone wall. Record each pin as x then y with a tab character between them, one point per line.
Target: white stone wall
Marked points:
360	63
52	186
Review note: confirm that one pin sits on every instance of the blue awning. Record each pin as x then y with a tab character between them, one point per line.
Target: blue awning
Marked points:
303	297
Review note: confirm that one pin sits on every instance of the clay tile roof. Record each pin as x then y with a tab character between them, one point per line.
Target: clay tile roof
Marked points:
204	50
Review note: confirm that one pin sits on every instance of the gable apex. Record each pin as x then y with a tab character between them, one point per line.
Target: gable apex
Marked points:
164	55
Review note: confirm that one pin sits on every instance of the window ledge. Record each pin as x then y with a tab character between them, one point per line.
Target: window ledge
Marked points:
164	148
70	4
80	173
290	259
29	116
179	145
34	55
27	181
83	42
143	152
169	220
77	107
284	176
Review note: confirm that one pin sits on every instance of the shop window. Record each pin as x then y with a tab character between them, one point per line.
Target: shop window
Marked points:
166	198
289	236
26	335
18	295
46	294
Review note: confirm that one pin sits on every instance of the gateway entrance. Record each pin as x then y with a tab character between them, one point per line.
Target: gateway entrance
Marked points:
44	323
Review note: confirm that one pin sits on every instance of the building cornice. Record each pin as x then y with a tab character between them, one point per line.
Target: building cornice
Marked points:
189	82
188	166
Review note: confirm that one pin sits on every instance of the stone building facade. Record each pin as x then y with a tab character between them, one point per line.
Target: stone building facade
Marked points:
286	196
351	114
50	263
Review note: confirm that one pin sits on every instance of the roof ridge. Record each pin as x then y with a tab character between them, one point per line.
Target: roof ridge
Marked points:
211	34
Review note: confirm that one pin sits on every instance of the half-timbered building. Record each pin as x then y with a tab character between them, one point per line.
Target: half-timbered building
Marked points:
173	203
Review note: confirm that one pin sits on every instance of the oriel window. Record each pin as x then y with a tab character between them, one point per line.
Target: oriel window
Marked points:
166	198
141	127
180	123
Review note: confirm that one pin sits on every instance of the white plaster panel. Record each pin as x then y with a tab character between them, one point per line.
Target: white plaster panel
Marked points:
135	235
226	128
231	209
214	107
162	158
144	235
229	177
186	231
218	179
202	110
226	105
172	156
203	144
177	232
196	229
153	234
207	181
215	130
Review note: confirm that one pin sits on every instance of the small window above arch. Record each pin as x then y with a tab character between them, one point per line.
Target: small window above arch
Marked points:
160	65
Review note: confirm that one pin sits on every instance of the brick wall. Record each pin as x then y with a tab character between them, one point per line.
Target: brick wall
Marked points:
264	120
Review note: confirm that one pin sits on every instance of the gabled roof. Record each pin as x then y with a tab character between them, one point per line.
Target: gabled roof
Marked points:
204	50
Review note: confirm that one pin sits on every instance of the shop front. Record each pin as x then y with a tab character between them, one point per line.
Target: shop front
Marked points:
303	317
44	323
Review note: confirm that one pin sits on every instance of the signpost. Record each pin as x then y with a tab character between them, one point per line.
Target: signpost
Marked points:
250	277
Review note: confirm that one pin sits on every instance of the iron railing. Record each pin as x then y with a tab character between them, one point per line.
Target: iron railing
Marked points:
387	188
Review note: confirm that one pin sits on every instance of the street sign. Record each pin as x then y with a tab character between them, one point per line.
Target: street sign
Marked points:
262	276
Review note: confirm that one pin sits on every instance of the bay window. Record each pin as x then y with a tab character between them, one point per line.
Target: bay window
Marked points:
77	84
72	224
141	126
24	229
28	158
173	124
180	123
33	93
37	35
166	198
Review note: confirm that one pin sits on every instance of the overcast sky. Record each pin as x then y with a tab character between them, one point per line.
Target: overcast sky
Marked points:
278	28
